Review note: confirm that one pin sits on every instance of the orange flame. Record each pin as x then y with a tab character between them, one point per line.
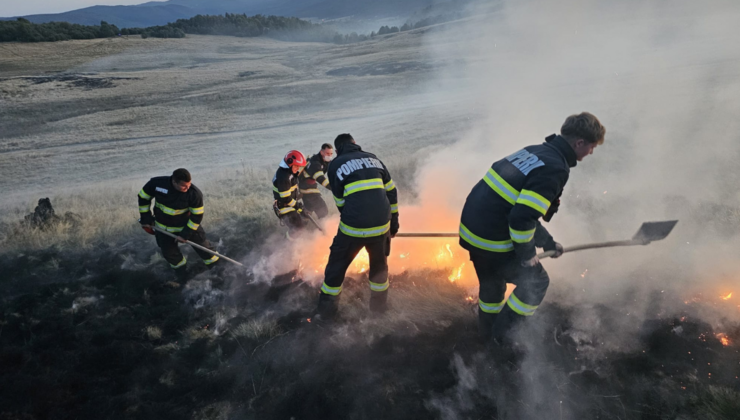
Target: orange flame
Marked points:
722	337
727	297
456	274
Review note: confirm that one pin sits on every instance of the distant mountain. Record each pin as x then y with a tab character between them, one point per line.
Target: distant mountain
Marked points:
160	13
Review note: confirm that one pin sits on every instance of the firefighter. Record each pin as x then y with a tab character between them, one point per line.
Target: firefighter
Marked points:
500	224
314	175
178	208
285	191
368	205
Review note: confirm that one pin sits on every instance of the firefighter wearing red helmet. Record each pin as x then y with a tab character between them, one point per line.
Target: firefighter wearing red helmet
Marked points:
285	190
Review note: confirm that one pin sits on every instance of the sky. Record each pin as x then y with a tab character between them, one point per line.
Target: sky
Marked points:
34	7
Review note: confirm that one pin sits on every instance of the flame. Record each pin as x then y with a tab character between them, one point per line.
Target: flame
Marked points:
362	261
726	297
722	337
450	251
456	274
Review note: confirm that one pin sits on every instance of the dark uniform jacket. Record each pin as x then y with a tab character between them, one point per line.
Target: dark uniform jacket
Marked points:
285	189
364	193
174	211
313	175
502	212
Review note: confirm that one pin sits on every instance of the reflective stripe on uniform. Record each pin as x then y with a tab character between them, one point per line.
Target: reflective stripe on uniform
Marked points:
364	185
317	175
506	191
339	201
286	210
491	308
325	183
192	225
521	236
520	307
311	191
211	260
180	264
292	203
170	211
144	195
334	291
533	200
364	233
144	209
169	229
197	210
390	185
484	244
379	287
394	208
284	194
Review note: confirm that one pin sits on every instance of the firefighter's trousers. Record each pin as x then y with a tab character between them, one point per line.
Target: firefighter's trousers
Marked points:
171	251
496	314
343	251
315	203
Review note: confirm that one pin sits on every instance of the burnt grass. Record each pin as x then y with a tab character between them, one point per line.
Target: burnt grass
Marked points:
74	344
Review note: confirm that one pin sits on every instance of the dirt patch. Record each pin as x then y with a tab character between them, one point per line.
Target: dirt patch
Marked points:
87	82
381	69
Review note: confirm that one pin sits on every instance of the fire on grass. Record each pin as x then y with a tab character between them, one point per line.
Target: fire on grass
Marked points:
719	302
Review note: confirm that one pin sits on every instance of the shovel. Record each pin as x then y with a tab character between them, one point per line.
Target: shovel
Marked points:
164	232
648	232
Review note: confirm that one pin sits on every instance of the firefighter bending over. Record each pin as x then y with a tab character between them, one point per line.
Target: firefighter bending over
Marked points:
368	204
178	208
500	222
314	175
285	191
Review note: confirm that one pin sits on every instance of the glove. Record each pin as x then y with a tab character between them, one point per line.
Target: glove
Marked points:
146	219
551	245
394	226
533	262
298	207
148	229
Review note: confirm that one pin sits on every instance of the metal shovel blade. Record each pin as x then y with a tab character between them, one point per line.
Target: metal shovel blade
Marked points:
654	231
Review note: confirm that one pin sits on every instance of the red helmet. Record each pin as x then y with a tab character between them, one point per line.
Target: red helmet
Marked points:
295	158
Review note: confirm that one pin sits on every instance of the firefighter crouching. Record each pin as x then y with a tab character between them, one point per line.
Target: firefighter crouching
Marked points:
178	208
500	223
367	201
312	176
285	192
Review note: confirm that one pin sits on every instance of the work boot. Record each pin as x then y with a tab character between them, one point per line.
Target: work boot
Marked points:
505	323
328	307
486	321
379	302
181	274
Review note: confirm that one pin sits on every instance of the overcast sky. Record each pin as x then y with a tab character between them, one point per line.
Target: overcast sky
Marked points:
35	7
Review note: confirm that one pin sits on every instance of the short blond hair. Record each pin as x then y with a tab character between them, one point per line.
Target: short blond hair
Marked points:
583	126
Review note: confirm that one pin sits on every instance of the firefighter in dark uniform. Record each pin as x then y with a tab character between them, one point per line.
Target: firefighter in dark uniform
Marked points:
500	222
285	192
368	203
178	208
312	176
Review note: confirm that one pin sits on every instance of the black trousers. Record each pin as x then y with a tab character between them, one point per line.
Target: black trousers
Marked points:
343	251
496	314
171	250
315	203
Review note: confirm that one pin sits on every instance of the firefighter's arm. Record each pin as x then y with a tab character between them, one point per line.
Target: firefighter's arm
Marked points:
392	193
284	189
314	171
197	210
533	202
145	204
336	187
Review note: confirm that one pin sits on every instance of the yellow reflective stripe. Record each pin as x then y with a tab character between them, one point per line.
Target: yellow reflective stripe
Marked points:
364	185
334	291
534	200
498	184
390	185
339	201
379	287
197	210
366	232
211	260
286	210
520	307
144	195
317	175
287	193
180	264
394	208
325	183
192	225
521	236
292	203
169	229
144	209
311	191
491	308
484	244
170	211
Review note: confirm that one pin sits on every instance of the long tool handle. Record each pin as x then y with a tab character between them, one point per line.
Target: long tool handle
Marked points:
315	223
164	232
630	242
427	235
